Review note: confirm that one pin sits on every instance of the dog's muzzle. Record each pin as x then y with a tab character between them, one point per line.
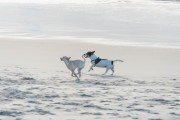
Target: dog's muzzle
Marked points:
85	56
61	59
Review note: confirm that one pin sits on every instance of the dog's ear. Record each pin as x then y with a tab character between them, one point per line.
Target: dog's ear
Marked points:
93	51
69	58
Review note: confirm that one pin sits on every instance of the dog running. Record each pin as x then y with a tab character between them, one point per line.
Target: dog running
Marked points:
72	65
98	62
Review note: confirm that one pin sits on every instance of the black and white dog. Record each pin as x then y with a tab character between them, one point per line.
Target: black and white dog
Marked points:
98	62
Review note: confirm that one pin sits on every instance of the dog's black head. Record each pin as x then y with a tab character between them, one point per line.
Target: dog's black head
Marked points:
88	54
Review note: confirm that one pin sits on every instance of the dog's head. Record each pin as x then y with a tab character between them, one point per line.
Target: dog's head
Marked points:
65	58
88	54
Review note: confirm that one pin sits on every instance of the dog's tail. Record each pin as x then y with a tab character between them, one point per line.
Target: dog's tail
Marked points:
84	58
118	60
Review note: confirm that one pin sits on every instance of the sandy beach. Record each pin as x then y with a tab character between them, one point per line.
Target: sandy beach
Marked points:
45	53
35	84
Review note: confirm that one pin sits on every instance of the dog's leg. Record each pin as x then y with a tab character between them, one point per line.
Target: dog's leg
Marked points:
112	70
91	68
75	75
106	71
79	72
72	74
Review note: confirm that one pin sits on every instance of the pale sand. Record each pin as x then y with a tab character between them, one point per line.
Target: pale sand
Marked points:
45	54
35	85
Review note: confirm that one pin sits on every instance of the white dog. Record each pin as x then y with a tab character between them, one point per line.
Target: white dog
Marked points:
72	65
98	62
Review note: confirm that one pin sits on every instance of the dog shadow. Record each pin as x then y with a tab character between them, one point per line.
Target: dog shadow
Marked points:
105	76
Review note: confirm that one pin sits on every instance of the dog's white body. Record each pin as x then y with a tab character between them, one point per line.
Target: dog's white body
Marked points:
104	63
72	65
